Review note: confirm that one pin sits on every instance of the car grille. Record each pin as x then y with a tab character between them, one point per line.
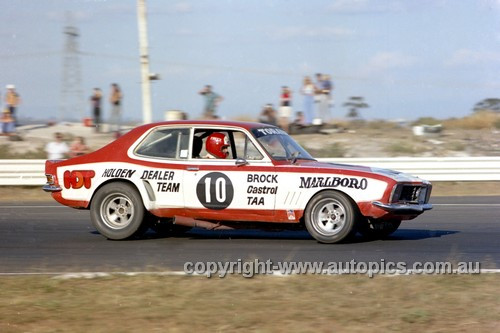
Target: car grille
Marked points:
413	194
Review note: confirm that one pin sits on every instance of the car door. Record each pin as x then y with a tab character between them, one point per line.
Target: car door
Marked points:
241	187
163	153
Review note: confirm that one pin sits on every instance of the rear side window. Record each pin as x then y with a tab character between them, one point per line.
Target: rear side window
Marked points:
171	143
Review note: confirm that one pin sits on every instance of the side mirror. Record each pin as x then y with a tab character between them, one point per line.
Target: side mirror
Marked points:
295	157
241	161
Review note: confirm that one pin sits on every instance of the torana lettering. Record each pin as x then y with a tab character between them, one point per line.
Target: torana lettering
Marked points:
313	182
269	131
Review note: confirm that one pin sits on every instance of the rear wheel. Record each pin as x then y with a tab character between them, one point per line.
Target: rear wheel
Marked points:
117	211
330	217
378	229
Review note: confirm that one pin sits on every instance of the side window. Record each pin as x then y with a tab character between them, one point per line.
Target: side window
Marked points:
170	143
200	138
239	144
245	148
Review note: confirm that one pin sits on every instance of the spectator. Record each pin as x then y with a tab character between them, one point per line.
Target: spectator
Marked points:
8	126
285	110
299	118
12	101
268	115
308	90
95	100
78	147
115	98
212	100
319	81
323	93
57	149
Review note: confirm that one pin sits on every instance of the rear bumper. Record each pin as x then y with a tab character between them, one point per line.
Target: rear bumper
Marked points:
51	188
403	209
51	184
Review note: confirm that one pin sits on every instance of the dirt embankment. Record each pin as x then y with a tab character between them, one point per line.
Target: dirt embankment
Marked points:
368	141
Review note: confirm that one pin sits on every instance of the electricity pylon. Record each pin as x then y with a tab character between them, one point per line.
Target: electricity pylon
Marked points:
72	99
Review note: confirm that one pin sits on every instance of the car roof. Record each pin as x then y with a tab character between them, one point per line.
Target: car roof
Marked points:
230	123
117	149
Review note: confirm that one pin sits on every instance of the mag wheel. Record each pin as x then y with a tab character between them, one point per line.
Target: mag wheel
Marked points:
330	217
117	211
378	229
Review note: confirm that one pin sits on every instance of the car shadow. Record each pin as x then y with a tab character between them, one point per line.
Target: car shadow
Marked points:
197	233
417	234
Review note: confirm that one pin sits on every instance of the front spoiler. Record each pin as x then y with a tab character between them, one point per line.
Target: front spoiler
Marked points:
403	209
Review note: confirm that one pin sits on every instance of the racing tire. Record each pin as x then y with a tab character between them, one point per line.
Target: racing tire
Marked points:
117	212
378	229
330	217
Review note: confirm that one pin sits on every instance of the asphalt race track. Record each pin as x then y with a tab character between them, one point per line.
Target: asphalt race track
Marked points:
48	237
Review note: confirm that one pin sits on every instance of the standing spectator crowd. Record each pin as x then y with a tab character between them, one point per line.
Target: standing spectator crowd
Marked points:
317	93
317	102
58	149
115	100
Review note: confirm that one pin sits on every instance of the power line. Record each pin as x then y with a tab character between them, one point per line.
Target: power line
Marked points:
379	81
30	55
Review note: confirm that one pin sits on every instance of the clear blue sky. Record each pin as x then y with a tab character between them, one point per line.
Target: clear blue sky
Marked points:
408	59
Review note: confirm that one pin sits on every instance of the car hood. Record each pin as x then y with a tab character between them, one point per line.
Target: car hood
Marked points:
396	175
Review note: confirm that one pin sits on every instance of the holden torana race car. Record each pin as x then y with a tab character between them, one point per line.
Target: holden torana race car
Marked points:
224	174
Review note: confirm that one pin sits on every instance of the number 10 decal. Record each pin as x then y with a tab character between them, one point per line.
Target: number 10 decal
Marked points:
215	191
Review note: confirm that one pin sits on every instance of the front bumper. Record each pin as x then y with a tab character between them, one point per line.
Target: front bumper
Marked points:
403	209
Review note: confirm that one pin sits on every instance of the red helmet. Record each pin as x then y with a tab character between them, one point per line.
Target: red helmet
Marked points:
216	142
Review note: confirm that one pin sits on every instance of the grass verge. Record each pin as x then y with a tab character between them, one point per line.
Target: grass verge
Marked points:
264	304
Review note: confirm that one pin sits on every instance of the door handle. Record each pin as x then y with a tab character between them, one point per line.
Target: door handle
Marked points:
193	168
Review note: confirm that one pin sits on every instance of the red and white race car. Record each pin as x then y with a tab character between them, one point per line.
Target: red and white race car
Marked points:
224	174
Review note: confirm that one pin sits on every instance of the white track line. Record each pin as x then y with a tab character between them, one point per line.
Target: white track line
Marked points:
92	275
40	206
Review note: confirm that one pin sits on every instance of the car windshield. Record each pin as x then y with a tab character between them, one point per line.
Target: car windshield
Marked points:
279	144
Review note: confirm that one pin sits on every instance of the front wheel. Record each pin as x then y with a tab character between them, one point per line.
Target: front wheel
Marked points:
117	211
330	217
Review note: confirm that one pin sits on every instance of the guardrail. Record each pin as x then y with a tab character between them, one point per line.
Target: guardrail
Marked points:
31	172
434	168
22	172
